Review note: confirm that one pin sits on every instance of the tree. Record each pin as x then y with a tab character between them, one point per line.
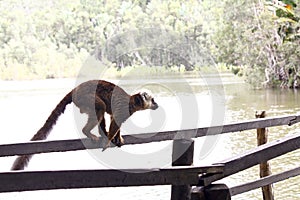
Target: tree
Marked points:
262	37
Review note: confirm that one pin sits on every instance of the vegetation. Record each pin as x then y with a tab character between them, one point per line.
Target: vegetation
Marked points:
258	39
262	38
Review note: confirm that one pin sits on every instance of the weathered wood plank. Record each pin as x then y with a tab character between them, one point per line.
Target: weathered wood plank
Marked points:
82	144
254	157
46	180
265	181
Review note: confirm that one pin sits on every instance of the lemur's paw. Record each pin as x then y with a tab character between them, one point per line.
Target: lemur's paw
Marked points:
118	141
94	137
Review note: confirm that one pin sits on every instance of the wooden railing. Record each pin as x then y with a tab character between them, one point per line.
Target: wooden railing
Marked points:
180	176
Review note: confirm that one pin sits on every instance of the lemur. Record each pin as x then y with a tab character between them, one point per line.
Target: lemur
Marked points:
94	98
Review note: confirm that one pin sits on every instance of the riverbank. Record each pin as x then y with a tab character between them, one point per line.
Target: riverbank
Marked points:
67	83
92	66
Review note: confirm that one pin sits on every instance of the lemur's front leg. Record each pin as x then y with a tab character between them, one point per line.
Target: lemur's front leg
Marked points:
114	130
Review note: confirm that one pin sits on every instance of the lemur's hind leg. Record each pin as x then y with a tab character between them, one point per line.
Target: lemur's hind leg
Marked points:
91	123
95	116
102	128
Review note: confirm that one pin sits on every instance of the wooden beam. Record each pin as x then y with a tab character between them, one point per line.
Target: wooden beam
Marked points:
254	157
47	180
264	181
82	144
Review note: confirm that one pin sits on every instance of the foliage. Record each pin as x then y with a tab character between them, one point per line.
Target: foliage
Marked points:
50	39
33	43
264	37
47	39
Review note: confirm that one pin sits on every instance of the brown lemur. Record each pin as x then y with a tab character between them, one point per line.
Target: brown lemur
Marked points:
94	98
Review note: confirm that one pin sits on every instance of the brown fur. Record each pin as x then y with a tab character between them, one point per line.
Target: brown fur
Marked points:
94	98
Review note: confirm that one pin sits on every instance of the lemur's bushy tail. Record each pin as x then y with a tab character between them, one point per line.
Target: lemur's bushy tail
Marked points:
22	161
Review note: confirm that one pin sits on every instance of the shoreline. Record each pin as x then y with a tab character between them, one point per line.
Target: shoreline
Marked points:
69	83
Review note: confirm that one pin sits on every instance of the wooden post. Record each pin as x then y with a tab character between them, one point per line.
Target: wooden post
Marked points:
265	169
211	192
182	155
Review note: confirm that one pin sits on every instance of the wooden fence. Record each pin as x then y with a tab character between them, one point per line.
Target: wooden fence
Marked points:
188	182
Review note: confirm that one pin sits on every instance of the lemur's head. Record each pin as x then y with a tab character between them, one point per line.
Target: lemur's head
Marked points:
149	102
143	101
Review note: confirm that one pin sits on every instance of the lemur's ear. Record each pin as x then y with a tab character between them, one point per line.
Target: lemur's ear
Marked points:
138	100
144	95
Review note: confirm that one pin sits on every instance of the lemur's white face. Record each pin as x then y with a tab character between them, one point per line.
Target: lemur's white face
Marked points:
149	102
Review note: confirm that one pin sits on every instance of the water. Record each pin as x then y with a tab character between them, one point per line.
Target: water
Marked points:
184	103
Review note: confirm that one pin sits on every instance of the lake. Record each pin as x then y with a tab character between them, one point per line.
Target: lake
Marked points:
185	102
